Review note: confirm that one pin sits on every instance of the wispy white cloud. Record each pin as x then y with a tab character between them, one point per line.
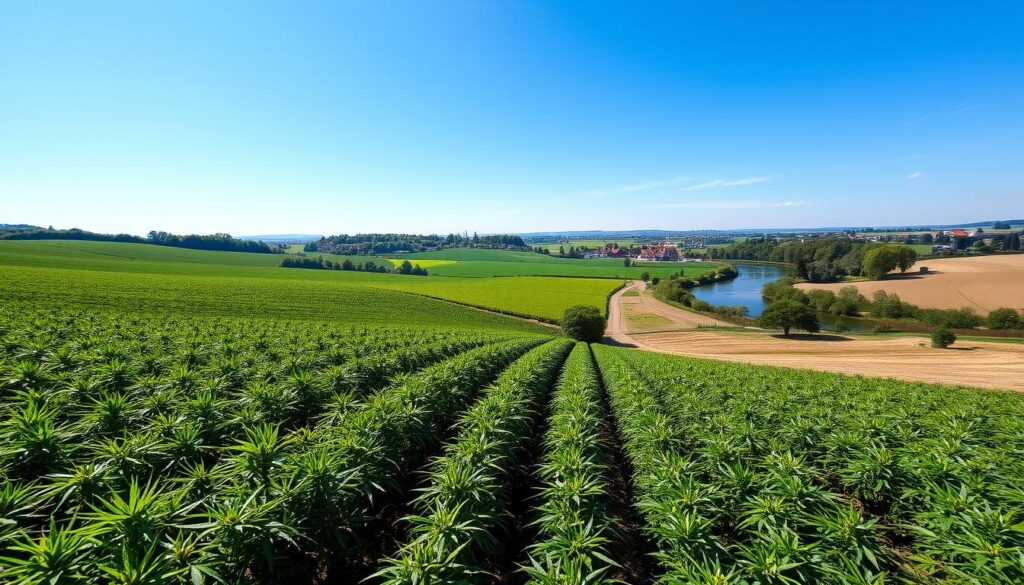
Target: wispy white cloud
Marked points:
724	183
795	203
915	175
731	204
747	181
643	186
953	110
654	184
673	182
708	185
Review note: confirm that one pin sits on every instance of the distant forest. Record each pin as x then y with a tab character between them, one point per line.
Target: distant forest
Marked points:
319	263
371	244
218	242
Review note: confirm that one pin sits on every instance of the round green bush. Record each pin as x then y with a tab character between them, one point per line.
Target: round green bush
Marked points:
584	323
1004	318
943	338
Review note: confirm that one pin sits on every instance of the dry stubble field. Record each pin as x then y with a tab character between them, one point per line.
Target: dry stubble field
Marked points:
982	282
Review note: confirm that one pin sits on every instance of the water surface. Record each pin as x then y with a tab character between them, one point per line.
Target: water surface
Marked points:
745	290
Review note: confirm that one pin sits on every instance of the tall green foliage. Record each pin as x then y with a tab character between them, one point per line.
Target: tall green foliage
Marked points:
881	260
584	323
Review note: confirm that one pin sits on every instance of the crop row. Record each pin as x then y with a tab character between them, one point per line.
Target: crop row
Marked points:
169	450
845	479
462	510
721	507
188	450
574	521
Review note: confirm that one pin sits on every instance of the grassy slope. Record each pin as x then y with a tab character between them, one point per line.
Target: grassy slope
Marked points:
238	297
94	269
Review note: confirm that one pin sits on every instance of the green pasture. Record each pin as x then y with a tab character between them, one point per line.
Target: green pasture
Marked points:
553	246
237	297
478	263
98	274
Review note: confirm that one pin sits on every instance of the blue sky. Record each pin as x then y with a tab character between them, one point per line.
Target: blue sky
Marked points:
252	117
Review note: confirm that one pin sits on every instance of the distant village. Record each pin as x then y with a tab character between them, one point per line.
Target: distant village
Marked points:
695	247
951	241
661	253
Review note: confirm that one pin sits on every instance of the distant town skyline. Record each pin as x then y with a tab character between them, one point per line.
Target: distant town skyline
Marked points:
440	117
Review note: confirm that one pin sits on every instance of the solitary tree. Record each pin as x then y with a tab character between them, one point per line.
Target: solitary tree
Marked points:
583	322
788	314
943	338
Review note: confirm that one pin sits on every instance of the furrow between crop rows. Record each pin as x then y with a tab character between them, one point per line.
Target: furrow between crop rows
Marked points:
573	519
462	510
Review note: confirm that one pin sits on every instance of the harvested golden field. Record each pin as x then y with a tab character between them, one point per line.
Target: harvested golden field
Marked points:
981	282
970	363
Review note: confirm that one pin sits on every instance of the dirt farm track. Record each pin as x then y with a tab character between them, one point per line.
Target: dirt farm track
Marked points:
969	363
981	282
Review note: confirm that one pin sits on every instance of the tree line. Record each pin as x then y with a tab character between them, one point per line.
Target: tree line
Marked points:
221	242
848	301
319	263
218	242
822	259
373	244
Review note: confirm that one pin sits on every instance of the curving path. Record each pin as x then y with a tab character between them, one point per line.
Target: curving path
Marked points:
633	310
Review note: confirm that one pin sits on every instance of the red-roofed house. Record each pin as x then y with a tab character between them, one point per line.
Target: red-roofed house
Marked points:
664	253
614	251
959	239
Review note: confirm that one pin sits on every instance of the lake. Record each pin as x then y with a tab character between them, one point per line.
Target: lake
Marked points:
745	290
